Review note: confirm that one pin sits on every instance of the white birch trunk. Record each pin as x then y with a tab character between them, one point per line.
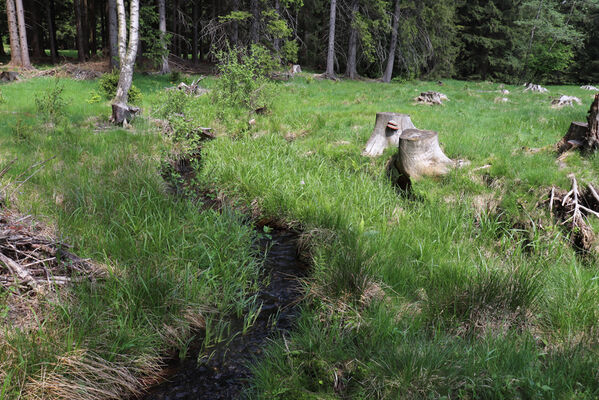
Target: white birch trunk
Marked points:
120	110
122	32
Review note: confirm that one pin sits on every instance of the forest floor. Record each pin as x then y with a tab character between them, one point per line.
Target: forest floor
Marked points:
467	288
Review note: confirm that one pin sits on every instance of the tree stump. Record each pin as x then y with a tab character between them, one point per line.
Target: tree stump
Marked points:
419	154
535	88
9	76
583	135
431	98
387	129
589	87
564	101
122	113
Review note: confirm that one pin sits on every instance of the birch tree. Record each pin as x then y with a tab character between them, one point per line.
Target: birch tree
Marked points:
122	112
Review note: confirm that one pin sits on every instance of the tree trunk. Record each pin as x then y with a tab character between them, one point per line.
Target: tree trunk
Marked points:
393	45
51	30
175	41
36	36
80	32
194	43
277	41
164	69
85	21
122	32
92	28
121	112
583	135
13	32
352	71
331	50
235	25
2	52
387	129
113	36
22	34
419	155
254	33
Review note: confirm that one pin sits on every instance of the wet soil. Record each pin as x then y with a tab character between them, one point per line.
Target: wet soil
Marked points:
223	371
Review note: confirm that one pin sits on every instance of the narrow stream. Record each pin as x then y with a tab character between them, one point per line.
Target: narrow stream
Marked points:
225	374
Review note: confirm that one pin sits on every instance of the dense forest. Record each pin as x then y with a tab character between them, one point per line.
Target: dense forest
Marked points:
515	41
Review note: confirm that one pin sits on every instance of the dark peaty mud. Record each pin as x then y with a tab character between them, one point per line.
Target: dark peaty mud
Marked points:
225	374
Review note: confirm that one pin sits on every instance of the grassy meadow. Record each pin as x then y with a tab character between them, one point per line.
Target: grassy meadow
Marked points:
465	289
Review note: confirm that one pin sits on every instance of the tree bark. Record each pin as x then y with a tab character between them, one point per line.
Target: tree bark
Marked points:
393	45
331	50
254	31
22	34
13	32
113	34
352	70
121	112
175	41
277	41
194	44
164	69
122	32
383	136
36	36
235	25
93	20
80	32
51	30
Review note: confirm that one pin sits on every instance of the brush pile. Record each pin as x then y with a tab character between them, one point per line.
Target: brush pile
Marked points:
74	71
431	98
31	261
572	210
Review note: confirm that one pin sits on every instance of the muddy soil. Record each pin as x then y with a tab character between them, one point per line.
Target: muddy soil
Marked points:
225	374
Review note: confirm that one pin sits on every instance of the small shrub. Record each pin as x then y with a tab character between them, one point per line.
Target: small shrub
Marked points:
109	83
51	104
243	78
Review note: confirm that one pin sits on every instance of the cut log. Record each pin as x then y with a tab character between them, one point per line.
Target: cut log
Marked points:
564	101
9	76
535	88
387	129
431	98
123	113
419	154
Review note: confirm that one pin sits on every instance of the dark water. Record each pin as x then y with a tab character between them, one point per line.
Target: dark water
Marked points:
225	374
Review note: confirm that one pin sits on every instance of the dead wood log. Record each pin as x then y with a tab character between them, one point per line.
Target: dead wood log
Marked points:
388	127
419	154
19	271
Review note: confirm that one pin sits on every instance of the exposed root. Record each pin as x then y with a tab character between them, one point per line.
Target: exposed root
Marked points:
572	210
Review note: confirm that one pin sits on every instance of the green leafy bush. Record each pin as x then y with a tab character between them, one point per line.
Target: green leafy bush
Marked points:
244	78
50	103
109	83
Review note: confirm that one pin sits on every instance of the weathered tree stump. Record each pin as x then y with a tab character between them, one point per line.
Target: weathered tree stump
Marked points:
564	101
122	113
535	88
583	135
419	154
431	98
9	76
387	129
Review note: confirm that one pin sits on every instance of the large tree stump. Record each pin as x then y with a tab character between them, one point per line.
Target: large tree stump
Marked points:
122	113
419	154
9	76
387	129
583	135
